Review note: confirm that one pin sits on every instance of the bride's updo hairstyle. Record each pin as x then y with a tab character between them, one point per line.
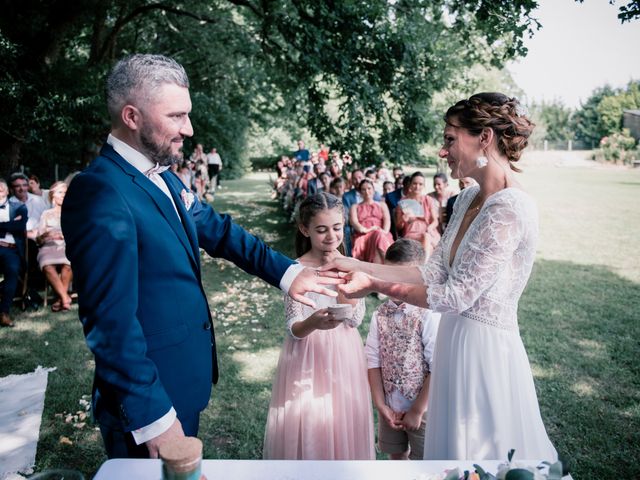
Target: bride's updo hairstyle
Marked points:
504	115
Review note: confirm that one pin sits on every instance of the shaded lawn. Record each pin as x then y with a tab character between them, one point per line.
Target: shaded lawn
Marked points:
579	321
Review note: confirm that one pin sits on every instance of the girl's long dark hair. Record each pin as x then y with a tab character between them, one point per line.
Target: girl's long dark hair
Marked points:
309	208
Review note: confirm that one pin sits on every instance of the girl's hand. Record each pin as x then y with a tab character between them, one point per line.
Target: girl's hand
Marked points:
357	285
411	420
323	320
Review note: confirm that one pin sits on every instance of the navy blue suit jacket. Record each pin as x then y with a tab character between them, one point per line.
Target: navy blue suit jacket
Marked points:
144	311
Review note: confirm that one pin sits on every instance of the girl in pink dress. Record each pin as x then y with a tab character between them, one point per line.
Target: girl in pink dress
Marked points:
370	223
320	402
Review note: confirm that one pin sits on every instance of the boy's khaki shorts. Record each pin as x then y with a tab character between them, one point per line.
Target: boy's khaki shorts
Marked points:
398	441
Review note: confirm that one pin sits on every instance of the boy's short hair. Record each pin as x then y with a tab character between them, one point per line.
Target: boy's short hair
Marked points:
405	250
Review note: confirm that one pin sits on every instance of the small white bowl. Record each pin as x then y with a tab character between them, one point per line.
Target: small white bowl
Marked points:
341	311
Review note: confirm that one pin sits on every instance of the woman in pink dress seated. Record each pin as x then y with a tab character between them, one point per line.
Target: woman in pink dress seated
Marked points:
51	254
370	221
417	215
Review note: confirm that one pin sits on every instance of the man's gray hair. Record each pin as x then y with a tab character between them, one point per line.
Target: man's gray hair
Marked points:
135	78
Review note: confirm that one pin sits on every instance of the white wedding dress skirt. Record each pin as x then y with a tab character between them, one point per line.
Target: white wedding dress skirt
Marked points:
482	400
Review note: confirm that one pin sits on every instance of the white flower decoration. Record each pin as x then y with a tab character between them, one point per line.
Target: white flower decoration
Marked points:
521	110
187	198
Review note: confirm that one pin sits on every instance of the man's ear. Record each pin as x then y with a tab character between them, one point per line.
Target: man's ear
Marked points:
131	117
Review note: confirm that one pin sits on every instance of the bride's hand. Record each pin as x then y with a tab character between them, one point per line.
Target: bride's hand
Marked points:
357	285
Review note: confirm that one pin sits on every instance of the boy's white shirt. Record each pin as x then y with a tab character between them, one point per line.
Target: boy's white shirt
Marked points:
396	401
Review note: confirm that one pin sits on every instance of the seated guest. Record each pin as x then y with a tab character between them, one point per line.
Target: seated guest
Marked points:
51	255
35	204
370	223
334	170
441	194
13	223
337	188
34	188
315	185
372	174
394	197
350	198
463	183
417	215
387	187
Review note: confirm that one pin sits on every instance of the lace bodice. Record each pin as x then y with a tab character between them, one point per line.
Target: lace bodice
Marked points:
493	262
296	311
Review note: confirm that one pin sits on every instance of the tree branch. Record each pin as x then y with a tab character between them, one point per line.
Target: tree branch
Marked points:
123	21
249	5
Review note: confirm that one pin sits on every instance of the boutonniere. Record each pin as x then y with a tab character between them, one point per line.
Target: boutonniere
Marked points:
187	198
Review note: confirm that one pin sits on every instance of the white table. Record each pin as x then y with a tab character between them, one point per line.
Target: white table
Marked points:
132	469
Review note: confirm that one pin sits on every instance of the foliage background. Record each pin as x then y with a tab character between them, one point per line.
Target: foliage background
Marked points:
362	76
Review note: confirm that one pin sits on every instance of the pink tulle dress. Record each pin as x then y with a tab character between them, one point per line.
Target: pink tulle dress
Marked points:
320	402
365	245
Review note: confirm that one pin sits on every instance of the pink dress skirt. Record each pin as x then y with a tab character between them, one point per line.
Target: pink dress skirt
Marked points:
320	401
365	245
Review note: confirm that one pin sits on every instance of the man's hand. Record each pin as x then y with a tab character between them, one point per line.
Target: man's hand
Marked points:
175	431
310	281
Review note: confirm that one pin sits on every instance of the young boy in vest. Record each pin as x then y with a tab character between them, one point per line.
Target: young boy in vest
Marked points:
399	351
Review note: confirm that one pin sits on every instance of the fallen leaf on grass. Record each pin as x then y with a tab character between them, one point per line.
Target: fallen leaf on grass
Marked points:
65	441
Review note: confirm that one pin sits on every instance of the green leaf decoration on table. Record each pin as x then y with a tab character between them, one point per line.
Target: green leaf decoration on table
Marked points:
483	475
519	474
510	454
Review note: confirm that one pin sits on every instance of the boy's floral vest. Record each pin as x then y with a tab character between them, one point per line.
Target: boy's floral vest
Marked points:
401	350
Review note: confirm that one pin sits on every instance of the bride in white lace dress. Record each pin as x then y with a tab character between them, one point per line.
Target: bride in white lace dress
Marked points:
482	399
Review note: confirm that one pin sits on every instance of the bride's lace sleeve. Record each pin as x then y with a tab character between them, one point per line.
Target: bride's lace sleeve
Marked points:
481	257
293	313
358	314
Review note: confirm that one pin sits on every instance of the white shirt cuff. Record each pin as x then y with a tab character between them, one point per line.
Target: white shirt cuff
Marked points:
158	427
289	276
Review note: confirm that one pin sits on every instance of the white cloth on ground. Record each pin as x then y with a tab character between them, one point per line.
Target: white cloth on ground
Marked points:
22	400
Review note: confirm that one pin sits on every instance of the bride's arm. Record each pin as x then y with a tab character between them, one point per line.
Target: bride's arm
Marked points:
360	284
391	273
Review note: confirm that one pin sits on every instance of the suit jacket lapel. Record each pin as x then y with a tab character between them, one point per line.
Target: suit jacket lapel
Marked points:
159	198
187	221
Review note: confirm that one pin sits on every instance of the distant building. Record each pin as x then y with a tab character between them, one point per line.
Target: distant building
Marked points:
631	120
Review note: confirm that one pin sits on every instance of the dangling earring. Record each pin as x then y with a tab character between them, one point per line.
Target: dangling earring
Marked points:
481	161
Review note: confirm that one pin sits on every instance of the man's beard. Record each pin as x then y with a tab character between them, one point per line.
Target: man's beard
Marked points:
156	153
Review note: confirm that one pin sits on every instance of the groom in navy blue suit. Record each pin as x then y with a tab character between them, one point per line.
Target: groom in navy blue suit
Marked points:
133	233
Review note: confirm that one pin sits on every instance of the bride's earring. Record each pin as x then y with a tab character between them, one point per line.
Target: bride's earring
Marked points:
481	161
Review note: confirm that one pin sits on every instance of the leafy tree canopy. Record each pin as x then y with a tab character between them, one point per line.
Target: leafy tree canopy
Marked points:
359	75
601	114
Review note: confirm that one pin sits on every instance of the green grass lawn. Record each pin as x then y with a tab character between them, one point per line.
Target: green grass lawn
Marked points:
579	317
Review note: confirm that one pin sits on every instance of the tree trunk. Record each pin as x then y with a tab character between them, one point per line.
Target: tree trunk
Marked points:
10	161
